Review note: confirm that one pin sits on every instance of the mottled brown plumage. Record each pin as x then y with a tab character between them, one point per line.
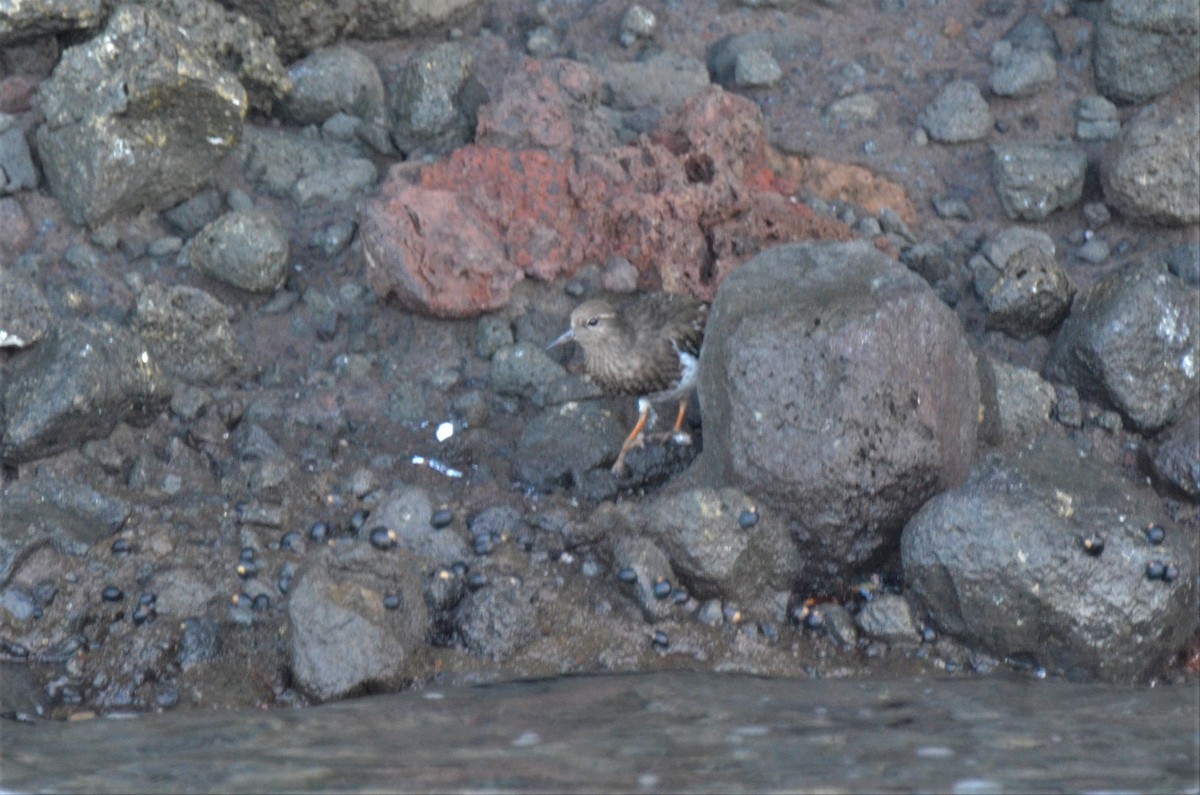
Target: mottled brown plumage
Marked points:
648	347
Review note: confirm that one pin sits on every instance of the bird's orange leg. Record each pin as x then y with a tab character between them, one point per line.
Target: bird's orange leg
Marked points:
633	440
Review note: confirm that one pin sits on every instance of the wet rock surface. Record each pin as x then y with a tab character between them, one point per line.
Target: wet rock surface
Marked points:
335	419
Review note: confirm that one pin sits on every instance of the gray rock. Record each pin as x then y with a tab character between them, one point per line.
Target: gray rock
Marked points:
524	370
951	207
651	566
663	82
247	249
1033	34
1032	294
407	511
21	21
756	69
1019	72
1175	455
1184	262
187	332
337	79
1096	214
1131	341
25	315
492	333
701	532
17	171
1097	119
839	624
1151	173
498	620
999	249
342	637
235	42
940	265
306	170
1024	401
869	409
888	617
1035	179
638	22
137	117
859	108
435	102
301	28
563	442
1144	49
959	113
999	564
1094	251
723	55
76	385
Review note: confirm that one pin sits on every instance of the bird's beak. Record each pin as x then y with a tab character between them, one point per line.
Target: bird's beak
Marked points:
567	336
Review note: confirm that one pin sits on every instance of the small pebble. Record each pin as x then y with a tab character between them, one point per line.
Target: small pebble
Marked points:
285	582
476	580
680	596
383	538
748	518
661	641
1170	573
1155	534
1092	544
459	568
391	601
247	569
1155	570
290	541
483	545
319	532
928	634
441	518
247	554
358	519
710	613
121	547
143	614
260	603
112	594
149	598
662	589
627	575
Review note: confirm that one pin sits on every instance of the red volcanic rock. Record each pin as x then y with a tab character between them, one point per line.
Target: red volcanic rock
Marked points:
434	251
546	189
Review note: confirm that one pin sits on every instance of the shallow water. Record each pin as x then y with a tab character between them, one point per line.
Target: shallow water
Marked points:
645	732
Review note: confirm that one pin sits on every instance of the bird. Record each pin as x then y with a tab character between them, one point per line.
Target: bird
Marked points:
648	347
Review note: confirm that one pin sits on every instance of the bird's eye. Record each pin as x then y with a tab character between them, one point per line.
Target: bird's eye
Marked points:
592	322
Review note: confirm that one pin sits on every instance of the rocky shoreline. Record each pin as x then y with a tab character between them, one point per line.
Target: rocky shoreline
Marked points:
278	427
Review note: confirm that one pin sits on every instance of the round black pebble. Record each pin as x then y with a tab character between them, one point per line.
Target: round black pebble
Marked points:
1170	573
662	589
148	598
661	641
247	569
319	532
121	547
483	545
112	594
1155	570
1155	534
748	518
143	614
247	554
261	602
476	580
391	601
679	596
290	541
442	517
383	537
1093	545
928	634
627	575
460	568
358	520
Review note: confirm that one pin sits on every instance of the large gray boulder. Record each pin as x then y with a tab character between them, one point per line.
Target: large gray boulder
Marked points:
839	390
20	21
1144	49
1151	172
76	385
136	117
1043	554
343	637
1131	341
